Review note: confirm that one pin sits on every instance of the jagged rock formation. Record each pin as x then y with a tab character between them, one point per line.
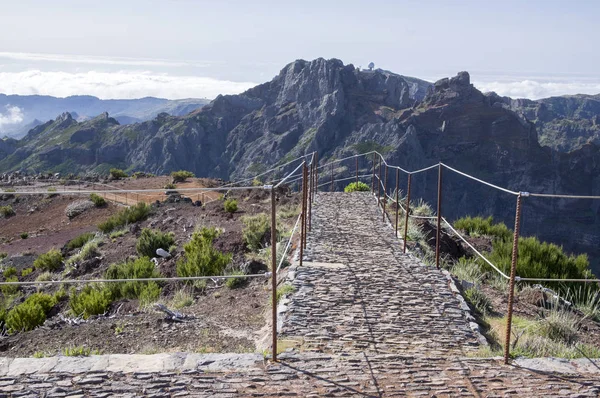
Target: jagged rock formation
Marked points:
563	123
338	110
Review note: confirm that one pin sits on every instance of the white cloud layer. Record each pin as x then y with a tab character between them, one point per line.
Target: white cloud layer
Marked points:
111	85
89	59
13	115
534	89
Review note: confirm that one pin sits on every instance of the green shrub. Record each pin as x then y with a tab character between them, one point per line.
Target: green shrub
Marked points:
234	283
81	240
142	267
10	271
10	290
119	233
3	255
540	260
26	271
7	211
201	258
50	261
357	187
283	290
181	175
98	200
128	215
478	226
117	174
230	205
92	300
30	314
254	231
88	251
170	185
150	240
24	235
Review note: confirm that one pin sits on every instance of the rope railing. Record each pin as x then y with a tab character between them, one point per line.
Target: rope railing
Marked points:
289	243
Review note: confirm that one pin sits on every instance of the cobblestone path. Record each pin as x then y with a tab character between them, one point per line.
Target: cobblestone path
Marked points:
360	293
366	320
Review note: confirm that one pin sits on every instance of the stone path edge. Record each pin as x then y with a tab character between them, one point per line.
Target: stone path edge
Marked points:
132	363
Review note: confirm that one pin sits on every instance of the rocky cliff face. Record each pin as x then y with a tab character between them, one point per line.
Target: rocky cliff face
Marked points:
563	123
337	110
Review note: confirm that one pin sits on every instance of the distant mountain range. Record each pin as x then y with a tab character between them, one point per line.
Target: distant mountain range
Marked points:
549	145
33	110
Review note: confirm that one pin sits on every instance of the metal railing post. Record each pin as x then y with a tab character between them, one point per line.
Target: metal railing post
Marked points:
407	212
373	178
302	217
397	200
379	184
274	272
511	285
316	173
439	217
356	172
305	176
331	189
310	197
385	190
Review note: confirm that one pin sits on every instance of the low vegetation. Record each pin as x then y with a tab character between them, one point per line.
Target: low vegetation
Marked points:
479	226
30	314
181	175
201	257
24	235
97	200
128	215
91	300
79	351
255	229
230	205
357	187
117	174
80	240
143	267
7	211
50	261
151	240
88	251
234	283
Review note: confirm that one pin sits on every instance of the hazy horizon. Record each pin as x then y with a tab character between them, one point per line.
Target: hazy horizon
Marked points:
199	49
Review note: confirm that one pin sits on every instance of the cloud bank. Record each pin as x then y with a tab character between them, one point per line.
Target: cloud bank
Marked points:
111	85
89	59
13	115
534	89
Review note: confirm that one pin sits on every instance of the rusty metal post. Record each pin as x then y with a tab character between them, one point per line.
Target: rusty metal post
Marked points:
385	190
274	272
302	217
356	172
126	201
306	193
397	200
513	272
331	188
379	184
439	217
407	212
316	173
373	178
310	197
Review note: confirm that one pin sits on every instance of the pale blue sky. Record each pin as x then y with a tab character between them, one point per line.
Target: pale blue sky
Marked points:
183	48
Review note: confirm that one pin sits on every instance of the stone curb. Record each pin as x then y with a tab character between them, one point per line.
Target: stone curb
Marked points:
134	363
